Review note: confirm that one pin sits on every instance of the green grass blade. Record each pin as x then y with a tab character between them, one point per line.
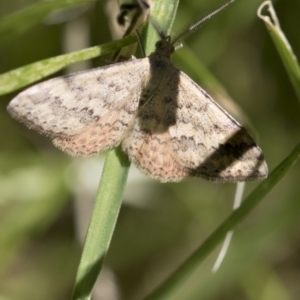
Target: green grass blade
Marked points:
15	24
180	275
103	220
20	77
283	47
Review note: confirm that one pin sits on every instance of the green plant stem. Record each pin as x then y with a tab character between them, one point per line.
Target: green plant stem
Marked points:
104	215
102	224
178	277
284	49
20	77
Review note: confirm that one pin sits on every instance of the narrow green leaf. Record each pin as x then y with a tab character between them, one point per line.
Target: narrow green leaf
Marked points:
102	224
182	273
104	216
20	77
283	47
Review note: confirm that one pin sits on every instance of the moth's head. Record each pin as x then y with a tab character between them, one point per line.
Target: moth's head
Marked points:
164	47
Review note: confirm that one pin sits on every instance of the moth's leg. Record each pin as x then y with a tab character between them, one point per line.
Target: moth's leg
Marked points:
141	45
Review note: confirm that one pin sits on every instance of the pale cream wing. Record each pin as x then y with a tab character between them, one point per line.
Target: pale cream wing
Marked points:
154	154
149	144
209	143
86	112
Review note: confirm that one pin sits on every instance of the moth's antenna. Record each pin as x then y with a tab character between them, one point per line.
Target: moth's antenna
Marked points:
198	23
140	43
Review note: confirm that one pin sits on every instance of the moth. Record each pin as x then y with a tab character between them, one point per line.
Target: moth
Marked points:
167	124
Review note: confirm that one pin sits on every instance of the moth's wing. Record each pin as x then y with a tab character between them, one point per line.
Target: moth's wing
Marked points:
87	112
154	154
149	144
189	134
209	142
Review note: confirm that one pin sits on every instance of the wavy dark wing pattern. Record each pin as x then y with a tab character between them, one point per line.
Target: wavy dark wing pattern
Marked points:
170	128
149	144
209	142
182	132
87	112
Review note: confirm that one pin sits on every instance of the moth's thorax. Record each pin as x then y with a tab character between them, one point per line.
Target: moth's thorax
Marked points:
164	48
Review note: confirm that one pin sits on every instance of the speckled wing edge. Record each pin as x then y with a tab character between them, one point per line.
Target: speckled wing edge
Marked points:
213	145
87	112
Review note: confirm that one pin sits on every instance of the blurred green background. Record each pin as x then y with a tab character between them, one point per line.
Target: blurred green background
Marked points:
46	196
